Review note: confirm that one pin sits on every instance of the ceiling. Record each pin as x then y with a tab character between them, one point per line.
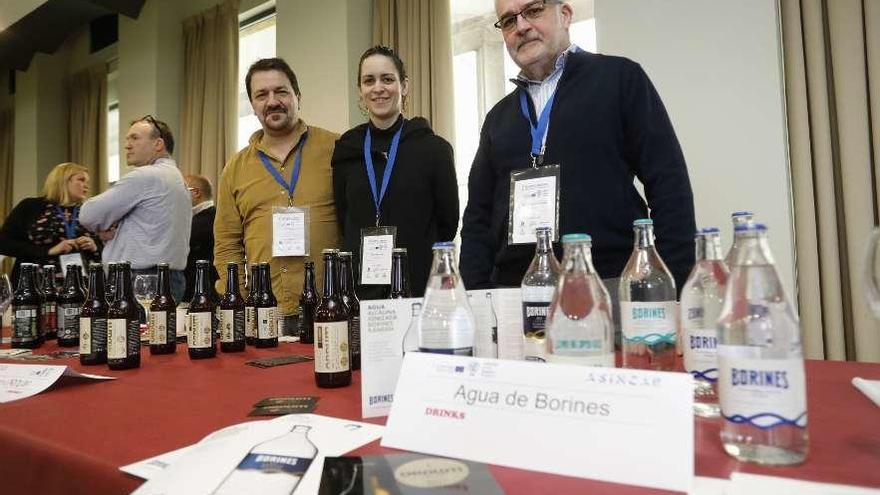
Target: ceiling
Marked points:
45	28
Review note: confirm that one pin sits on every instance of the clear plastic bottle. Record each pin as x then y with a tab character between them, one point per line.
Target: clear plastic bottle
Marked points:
580	326
737	218
446	324
761	381
701	300
537	286
647	305
411	337
273	467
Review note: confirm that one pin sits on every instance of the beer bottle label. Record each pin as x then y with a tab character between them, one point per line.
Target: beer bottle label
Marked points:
98	338
355	335
331	347
24	324
69	327
117	338
50	316
227	325
200	333
267	323
85	335
250	321
158	327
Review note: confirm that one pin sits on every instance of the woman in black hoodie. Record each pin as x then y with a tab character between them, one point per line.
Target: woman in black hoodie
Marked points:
420	195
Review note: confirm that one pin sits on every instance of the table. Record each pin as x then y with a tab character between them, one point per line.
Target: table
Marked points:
72	438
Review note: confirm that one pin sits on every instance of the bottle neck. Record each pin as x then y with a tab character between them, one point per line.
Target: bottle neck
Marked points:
26	280
201	285
444	262
49	279
73	282
544	256
164	281
232	279
398	274
712	248
644	237
254	281
265	280
578	258
346	280
329	276
96	283
123	284
309	281
753	249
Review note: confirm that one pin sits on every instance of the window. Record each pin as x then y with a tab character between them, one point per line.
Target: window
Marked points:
112	129
256	40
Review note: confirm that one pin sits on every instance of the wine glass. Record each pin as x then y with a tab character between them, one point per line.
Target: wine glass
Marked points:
5	299
144	292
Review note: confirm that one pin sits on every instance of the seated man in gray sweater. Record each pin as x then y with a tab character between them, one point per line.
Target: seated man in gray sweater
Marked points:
145	217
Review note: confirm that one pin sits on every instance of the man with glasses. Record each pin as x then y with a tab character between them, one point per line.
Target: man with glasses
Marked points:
563	149
145	218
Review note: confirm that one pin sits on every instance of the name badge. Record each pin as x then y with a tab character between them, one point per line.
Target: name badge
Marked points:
290	231
70	259
377	243
534	202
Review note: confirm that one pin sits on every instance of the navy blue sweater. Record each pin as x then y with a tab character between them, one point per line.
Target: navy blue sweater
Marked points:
607	126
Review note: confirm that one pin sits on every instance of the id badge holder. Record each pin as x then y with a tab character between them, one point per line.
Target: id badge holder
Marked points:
70	259
377	243
290	231
534	202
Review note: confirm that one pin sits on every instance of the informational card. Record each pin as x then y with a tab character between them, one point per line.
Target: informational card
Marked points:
204	468
376	259
19	381
70	259
617	425
534	204
290	231
385	322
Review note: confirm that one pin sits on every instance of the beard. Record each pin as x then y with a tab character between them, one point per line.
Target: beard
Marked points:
278	120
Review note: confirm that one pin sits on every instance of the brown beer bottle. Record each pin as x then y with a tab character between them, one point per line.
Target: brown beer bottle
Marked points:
123	325
202	331
308	301
163	315
70	302
352	306
50	303
399	275
267	310
27	310
232	313
332	364
93	320
250	308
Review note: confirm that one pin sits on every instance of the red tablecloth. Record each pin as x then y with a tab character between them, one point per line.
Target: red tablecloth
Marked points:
72	438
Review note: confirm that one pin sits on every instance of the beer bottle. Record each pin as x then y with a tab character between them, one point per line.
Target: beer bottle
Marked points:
308	300
332	365
267	310
232	313
70	302
163	315
352	306
202	335
123	327
93	320
399	275
250	308
27	310
110	289
50	303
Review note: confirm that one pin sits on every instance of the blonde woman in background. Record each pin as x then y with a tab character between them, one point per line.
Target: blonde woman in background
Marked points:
40	230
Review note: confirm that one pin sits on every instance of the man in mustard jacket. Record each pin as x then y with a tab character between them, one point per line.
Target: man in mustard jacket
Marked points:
281	179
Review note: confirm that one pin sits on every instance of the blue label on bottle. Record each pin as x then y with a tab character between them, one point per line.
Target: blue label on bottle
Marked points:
269	463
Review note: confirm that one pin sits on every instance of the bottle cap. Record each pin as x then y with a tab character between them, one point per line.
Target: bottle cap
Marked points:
398	251
742	213
444	245
576	238
643	221
710	230
755	227
329	251
542	229
345	254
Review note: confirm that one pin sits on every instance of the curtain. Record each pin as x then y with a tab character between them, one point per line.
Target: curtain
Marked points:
832	82
420	32
87	122
7	148
209	114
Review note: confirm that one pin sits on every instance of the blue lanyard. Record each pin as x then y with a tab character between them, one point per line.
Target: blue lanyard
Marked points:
294	178
69	225
539	131
371	170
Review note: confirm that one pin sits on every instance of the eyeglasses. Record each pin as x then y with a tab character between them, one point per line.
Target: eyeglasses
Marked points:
155	123
530	13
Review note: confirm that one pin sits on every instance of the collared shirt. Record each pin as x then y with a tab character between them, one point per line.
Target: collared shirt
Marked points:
540	91
204	205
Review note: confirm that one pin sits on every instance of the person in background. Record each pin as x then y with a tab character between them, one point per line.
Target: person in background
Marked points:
600	119
283	172
145	217
402	159
201	237
40	230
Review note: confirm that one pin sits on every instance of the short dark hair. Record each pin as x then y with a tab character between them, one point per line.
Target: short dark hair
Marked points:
202	183
385	51
159	129
266	64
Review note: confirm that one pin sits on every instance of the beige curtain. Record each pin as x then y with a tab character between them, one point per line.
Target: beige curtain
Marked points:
209	114
832	80
420	32
87	122
7	148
